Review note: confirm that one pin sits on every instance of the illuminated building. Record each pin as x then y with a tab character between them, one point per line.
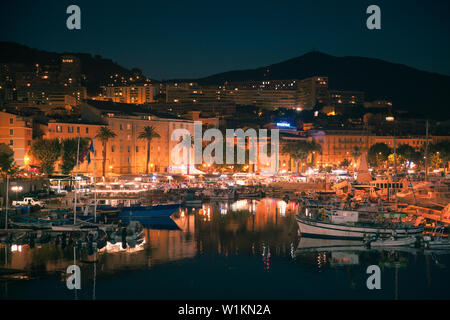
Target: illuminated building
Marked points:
138	94
337	145
17	133
126	154
313	91
346	98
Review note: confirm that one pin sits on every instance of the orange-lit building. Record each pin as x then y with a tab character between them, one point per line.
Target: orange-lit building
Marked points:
139	94
125	153
337	145
16	132
417	142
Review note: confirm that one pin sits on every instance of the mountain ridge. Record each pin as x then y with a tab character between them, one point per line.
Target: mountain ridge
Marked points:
410	89
407	87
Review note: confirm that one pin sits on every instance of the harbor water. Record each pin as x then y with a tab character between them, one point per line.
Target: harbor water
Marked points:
246	249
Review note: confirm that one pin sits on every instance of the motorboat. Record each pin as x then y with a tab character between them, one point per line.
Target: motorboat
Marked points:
393	242
347	225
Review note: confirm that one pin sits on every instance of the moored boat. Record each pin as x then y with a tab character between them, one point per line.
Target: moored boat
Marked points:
393	242
353	229
161	210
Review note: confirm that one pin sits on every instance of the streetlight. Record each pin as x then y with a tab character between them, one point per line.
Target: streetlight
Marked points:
16	189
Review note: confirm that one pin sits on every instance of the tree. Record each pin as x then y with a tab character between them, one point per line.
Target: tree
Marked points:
344	163
356	153
104	134
441	153
69	153
378	154
313	148
300	150
148	134
6	159
408	153
47	152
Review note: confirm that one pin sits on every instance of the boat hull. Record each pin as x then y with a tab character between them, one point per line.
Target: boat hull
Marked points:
326	230
150	211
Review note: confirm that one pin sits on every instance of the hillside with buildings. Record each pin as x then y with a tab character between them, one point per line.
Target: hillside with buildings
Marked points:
343	104
90	71
408	88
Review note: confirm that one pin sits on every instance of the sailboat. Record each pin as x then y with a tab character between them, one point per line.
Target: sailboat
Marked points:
76	226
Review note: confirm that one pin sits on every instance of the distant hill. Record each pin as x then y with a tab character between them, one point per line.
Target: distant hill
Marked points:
96	68
409	89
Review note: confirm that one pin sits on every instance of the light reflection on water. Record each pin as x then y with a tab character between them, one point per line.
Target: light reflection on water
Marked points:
244	249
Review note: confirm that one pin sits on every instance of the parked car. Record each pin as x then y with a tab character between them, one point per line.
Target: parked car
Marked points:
29	201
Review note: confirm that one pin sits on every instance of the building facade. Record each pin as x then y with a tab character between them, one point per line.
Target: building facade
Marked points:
17	133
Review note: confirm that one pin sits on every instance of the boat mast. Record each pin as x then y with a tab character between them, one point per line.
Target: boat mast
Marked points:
426	154
75	185
95	182
7	200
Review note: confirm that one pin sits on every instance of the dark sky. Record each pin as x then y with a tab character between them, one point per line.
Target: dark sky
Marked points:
189	39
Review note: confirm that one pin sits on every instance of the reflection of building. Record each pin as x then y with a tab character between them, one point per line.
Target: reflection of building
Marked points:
160	246
17	132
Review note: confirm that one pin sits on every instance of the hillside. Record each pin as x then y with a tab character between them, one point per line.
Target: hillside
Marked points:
96	68
409	89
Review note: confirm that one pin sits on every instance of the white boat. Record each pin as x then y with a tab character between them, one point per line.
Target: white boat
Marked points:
351	228
67	228
438	244
393	242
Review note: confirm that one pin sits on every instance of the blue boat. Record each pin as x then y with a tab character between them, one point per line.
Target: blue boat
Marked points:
161	210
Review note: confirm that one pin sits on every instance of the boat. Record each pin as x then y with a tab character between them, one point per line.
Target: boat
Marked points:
12	236
393	242
161	210
437	242
71	228
95	238
30	223
193	200
347	226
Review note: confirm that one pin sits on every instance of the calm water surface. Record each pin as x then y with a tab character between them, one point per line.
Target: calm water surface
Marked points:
241	250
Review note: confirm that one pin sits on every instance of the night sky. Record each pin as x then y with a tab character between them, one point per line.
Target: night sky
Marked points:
190	39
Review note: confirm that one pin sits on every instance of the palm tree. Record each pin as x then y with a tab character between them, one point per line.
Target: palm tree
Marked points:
104	135
356	153
313	148
300	150
148	134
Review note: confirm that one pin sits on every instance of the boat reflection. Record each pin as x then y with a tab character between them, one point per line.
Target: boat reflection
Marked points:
245	226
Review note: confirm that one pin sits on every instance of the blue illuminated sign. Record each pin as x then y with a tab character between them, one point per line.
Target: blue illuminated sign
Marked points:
283	124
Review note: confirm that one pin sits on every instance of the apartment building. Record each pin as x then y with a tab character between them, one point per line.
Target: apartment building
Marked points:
138	94
17	132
